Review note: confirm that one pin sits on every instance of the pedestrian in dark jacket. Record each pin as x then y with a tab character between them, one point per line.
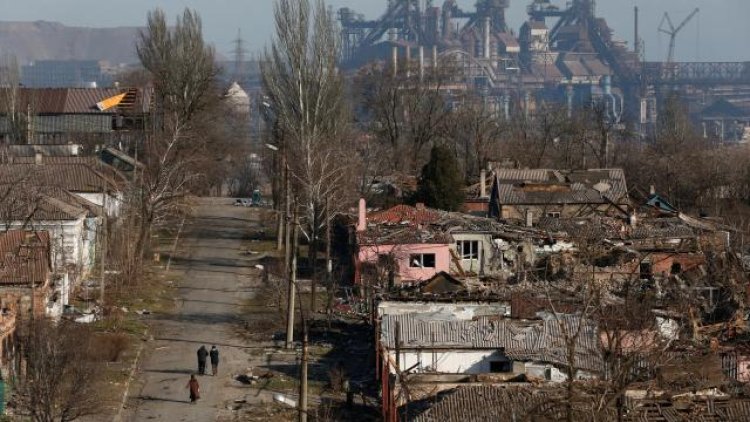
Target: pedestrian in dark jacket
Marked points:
214	359
194	388
202	355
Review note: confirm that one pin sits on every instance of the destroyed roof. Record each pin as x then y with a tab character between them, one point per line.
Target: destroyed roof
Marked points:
24	257
404	214
79	100
403	224
612	228
543	186
401	235
537	340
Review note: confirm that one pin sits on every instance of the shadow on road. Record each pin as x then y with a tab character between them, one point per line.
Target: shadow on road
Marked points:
149	398
235	346
200	318
171	371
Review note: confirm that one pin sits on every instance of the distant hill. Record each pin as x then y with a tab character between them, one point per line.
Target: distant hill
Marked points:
42	40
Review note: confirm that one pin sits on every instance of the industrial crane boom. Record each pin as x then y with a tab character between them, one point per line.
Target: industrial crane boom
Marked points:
672	31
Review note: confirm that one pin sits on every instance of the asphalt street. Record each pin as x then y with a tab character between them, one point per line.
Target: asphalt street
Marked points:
216	279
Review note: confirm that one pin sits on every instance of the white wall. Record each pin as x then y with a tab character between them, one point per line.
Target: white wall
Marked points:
448	362
475	362
71	242
113	202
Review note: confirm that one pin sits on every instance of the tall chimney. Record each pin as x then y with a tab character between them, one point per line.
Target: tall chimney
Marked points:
407	61
421	62
362	215
483	183
38	158
487	26
637	39
529	218
394	60
652	190
434	57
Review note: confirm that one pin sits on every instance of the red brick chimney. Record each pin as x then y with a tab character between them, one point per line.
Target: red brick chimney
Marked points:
362	215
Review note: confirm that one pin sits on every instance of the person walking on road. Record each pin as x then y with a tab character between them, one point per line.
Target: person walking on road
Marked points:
202	355
214	360
194	388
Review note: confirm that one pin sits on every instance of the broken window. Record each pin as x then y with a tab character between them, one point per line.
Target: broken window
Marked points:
553	214
422	260
676	268
645	270
468	249
499	366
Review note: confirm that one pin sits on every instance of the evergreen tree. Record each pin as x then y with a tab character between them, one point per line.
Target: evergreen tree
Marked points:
441	185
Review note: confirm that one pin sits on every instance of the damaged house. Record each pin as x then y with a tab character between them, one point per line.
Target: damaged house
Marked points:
528	195
437	346
399	245
27	282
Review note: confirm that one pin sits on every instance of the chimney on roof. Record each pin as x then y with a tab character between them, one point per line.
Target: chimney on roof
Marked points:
419	206
652	190
529	218
483	184
38	158
362	215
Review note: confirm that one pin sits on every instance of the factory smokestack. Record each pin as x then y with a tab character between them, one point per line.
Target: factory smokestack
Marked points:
421	62
487	26
394	61
637	40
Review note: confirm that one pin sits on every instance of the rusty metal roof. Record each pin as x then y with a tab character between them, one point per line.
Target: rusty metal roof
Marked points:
78	100
405	214
24	257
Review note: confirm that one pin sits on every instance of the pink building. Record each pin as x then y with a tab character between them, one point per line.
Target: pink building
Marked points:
398	245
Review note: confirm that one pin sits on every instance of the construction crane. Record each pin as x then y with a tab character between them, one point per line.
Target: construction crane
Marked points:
672	31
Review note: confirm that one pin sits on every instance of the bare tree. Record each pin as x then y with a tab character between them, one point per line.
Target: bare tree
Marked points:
407	113
57	375
183	71
305	91
16	118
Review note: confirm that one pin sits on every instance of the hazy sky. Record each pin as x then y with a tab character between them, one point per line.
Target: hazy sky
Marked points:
721	31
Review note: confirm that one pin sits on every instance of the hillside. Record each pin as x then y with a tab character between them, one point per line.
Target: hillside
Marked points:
42	40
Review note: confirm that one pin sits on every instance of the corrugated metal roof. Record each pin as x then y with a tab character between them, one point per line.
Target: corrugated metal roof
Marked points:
495	403
73	175
522	340
24	257
565	187
77	100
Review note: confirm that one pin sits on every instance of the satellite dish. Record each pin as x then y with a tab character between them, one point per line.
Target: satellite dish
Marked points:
602	187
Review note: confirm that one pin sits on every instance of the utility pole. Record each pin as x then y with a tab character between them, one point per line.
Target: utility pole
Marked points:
287	219
292	288
303	379
103	236
329	264
282	196
104	244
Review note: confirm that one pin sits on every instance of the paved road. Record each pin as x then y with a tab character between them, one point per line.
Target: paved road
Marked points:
217	278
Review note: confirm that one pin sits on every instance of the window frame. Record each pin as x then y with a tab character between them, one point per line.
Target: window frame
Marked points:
474	250
420	258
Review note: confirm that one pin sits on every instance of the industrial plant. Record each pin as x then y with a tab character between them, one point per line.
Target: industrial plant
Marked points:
562	54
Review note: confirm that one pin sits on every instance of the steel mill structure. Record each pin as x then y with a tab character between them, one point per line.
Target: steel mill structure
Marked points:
564	54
